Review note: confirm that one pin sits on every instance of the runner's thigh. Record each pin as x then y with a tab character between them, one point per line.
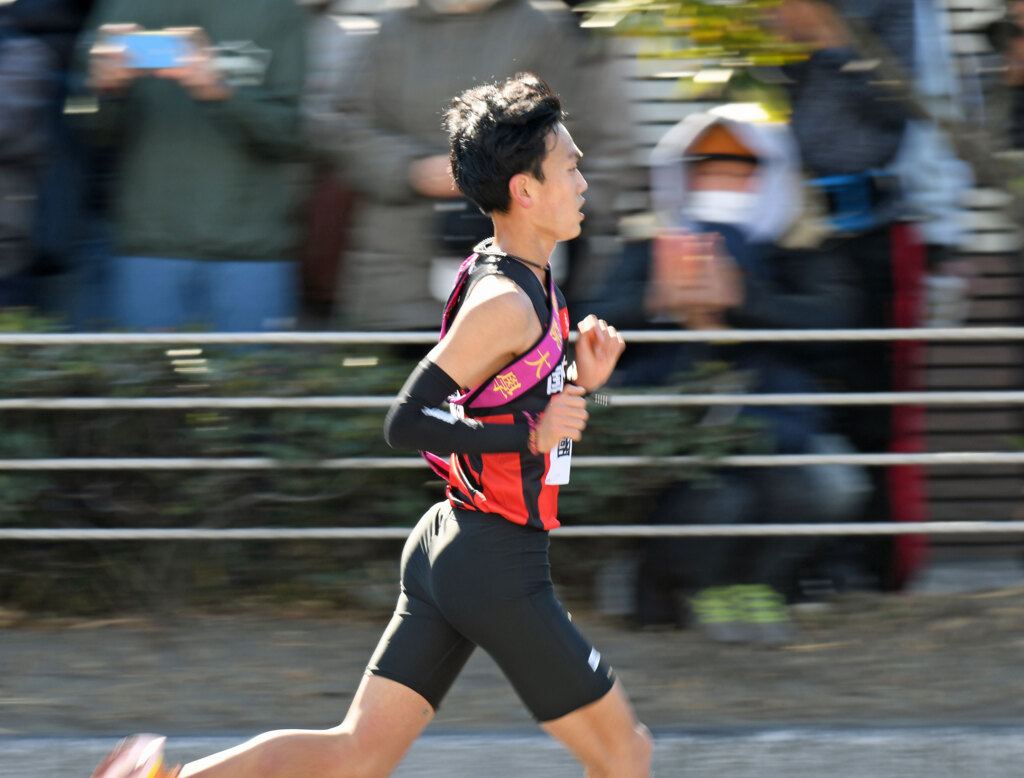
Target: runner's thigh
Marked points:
493	584
420	648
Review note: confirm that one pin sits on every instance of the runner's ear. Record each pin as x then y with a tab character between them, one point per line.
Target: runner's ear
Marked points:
519	189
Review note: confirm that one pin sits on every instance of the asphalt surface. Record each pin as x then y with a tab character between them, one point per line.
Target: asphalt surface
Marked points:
924	684
802	753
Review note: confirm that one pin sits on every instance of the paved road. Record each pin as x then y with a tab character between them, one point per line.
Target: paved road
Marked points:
875	687
792	753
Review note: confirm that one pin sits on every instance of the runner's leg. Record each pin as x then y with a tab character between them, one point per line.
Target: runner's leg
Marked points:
606	737
384	720
418	648
493	583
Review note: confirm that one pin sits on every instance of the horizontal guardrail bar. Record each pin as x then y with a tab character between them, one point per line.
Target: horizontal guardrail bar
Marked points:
726	337
403	463
214	338
611	531
192	403
784	530
1010	397
618	400
386	338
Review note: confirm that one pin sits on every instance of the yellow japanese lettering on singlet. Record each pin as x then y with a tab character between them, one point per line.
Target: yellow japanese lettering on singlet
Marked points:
541	362
507	384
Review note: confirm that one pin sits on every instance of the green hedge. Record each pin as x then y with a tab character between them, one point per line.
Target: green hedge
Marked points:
106	576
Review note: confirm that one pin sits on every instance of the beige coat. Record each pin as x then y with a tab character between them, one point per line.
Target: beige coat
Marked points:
417	62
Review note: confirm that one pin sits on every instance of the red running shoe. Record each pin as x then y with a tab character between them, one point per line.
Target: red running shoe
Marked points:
139	756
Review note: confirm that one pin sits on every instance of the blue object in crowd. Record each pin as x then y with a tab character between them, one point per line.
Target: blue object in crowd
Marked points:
222	295
856	202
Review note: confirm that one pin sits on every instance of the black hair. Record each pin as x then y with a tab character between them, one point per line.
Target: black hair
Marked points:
497	131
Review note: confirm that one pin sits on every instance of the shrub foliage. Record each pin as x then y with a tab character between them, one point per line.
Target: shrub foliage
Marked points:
103	576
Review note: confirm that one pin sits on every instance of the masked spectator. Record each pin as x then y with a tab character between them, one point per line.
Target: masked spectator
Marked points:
729	201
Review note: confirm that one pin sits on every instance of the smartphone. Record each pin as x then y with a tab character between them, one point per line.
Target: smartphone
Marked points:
153	49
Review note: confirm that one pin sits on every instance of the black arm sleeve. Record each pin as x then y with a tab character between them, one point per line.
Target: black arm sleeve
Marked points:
416	420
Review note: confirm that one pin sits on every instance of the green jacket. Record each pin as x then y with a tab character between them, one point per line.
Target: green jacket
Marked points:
209	180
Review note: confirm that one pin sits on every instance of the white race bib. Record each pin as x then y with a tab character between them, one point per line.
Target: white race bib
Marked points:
560	459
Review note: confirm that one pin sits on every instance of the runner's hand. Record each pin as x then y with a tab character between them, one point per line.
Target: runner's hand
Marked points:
565	417
597	352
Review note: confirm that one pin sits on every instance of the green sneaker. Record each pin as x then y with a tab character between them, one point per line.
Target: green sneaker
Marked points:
764	612
716	613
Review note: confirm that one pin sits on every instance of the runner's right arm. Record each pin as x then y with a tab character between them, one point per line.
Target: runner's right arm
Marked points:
416	419
496	324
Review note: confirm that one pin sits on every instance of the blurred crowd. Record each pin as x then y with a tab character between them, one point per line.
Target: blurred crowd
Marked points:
287	169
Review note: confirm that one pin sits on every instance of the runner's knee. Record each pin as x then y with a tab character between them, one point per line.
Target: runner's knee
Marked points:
644	749
334	753
354	756
635	759
629	759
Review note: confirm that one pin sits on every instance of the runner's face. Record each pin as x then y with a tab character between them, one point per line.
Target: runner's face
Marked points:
559	196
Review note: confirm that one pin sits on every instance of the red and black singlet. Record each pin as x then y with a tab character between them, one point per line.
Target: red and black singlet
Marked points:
511	484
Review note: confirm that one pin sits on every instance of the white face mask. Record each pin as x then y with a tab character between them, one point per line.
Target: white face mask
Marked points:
738	208
459	6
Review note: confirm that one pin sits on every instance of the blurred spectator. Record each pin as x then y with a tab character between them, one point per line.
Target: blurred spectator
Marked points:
729	198
412	228
849	125
1006	36
27	67
934	180
844	121
68	251
331	80
204	226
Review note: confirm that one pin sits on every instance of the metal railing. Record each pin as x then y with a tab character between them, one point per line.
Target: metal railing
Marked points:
923	398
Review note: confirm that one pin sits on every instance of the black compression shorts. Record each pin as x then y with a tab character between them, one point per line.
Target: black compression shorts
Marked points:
475	579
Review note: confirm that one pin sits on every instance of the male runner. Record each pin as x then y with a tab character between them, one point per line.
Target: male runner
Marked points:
475	569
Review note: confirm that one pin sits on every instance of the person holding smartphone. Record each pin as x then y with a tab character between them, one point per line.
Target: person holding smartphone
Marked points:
200	103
